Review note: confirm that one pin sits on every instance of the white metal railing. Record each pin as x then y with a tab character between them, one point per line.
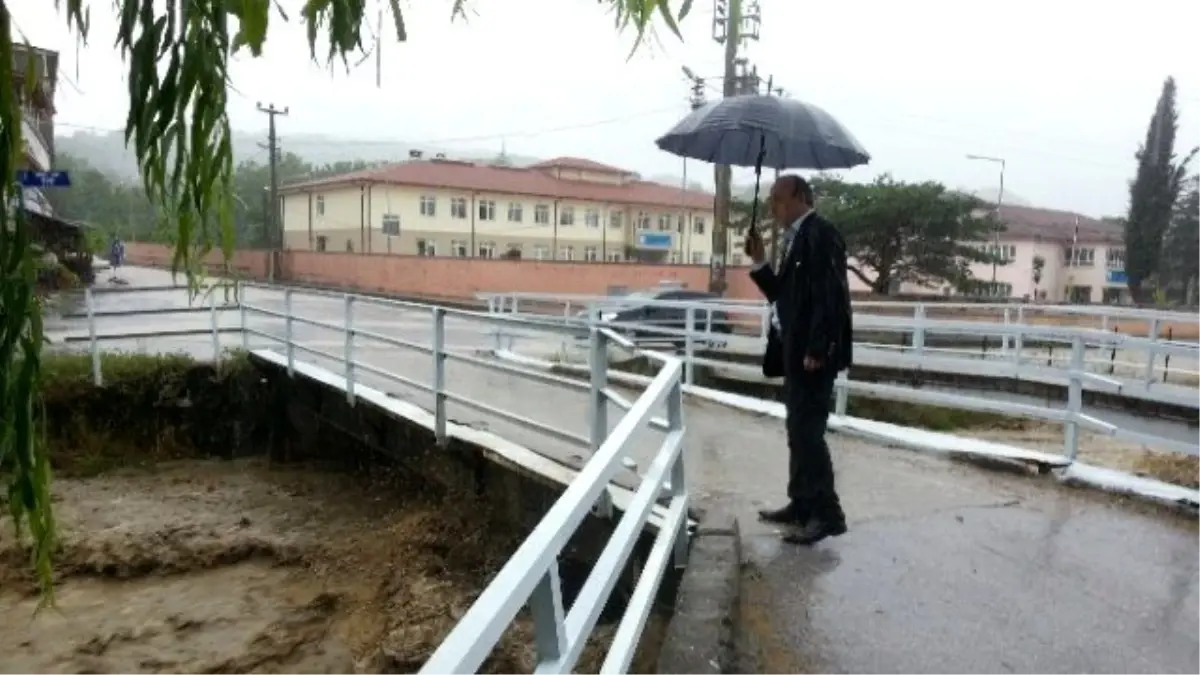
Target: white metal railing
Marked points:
531	575
1075	375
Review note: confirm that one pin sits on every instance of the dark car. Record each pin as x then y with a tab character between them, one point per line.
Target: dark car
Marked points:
642	308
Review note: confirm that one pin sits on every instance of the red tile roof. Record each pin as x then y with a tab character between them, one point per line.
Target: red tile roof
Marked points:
1054	225
579	164
532	181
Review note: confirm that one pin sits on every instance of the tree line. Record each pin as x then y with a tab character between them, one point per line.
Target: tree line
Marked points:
112	206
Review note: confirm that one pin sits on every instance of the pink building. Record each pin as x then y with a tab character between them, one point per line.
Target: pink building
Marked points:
1086	268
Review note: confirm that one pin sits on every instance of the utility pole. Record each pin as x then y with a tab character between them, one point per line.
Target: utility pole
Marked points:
274	228
731	26
695	100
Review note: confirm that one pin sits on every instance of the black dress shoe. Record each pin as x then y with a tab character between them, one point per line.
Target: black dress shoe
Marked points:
814	531
788	515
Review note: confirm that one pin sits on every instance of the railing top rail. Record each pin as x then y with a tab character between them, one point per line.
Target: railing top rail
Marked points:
549	324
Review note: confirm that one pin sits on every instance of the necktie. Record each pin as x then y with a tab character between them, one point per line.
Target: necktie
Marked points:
788	236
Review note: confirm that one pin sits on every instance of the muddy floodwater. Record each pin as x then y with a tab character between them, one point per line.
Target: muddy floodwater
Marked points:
216	566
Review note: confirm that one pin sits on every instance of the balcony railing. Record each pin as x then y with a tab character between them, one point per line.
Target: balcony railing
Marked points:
36	147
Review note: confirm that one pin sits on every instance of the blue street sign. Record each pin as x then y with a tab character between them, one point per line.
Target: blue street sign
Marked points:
1117	277
654	240
33	179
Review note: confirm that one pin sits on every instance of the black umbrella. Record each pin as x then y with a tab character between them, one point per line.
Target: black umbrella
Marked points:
758	131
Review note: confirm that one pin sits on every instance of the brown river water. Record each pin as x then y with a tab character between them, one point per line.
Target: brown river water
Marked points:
214	566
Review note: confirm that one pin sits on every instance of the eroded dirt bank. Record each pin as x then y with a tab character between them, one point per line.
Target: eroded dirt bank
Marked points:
217	566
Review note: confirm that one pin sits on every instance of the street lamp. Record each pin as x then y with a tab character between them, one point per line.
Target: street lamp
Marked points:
999	201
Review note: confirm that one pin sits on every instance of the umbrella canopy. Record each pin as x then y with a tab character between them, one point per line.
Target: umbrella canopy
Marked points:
770	131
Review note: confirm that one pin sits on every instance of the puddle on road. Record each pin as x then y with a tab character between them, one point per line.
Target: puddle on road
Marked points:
209	566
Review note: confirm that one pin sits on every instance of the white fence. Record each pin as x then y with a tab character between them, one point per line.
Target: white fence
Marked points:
531	575
1015	360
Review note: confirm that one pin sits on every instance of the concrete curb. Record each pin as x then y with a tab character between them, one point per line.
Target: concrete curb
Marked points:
701	635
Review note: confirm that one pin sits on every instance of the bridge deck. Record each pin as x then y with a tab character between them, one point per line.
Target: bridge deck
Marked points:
945	568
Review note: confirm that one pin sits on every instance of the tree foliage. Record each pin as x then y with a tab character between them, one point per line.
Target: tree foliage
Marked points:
1180	257
177	55
1153	194
897	232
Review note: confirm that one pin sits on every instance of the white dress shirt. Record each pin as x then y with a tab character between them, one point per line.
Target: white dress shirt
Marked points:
789	236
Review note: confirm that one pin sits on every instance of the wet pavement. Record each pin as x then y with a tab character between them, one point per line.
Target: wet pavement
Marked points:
946	567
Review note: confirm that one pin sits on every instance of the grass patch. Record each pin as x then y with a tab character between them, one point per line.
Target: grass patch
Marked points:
150	408
1173	468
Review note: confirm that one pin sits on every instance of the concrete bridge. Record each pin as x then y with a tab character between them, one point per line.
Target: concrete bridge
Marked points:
947	567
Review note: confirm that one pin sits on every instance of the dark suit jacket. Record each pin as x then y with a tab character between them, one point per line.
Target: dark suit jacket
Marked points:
812	297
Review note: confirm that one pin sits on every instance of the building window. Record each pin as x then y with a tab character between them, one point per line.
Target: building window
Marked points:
541	214
612	255
643	220
566	253
664	222
614	219
566	216
540	252
590	254
458	248
426	247
679	223
698	225
698	258
1114	259
1004	252
349	246
737	259
1079	257
428	205
591	218
458	208
513	252
487	209
320	205
390	225
674	257
487	249
515	212
322	243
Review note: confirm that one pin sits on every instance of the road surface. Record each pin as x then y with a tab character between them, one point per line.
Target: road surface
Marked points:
946	568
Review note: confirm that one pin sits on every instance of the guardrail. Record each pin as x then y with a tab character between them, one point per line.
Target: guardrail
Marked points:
531	575
1075	376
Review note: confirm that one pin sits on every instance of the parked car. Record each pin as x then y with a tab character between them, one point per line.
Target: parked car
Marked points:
641	308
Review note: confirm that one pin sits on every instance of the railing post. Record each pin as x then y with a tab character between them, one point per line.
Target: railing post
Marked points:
439	376
1074	399
287	332
598	410
1151	355
1007	323
1019	338
678	473
241	298
349	348
841	392
918	330
689	346
216	329
90	300
549	620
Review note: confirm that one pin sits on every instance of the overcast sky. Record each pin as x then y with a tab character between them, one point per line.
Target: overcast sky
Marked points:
1062	90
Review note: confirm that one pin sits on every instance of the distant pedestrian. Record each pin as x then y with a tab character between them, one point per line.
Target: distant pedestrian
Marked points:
116	254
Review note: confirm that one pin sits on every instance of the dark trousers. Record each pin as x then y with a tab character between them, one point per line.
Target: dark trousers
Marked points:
810	468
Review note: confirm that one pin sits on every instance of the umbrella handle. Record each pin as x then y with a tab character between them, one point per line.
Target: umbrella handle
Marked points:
762	152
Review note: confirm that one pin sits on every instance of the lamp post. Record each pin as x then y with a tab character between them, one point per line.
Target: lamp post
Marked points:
999	202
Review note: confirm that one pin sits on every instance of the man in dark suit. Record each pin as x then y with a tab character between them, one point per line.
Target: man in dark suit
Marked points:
812	335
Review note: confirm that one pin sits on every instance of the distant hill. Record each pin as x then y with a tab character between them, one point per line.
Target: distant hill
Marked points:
107	152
